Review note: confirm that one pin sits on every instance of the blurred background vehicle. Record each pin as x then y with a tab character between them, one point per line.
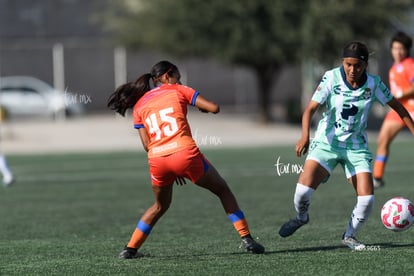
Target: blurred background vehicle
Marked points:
23	96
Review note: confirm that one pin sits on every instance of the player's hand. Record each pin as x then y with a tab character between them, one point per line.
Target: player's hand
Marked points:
180	181
203	110
302	147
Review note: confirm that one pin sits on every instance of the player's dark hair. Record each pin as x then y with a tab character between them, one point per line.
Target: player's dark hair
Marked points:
126	95
404	39
356	49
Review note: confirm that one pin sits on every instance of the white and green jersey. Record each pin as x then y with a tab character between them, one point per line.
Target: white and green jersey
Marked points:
347	109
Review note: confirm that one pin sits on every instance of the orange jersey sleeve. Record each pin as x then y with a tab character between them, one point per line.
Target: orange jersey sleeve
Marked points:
163	113
401	77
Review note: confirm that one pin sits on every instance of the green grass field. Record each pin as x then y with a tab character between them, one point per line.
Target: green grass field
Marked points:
71	215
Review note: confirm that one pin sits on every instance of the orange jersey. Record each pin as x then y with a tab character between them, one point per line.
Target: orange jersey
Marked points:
401	77
163	113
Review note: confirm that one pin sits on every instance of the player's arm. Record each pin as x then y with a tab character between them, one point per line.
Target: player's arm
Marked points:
144	137
206	106
407	93
303	143
403	113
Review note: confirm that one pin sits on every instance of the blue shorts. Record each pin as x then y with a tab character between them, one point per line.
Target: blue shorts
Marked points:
353	161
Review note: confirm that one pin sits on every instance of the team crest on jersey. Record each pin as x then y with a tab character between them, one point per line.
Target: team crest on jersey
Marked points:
367	93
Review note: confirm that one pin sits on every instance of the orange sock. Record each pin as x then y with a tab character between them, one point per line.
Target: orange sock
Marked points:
379	166
239	223
140	235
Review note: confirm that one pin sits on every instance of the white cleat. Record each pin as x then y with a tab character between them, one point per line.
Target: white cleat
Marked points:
353	243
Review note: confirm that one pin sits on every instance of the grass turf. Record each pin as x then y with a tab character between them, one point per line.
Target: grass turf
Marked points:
71	215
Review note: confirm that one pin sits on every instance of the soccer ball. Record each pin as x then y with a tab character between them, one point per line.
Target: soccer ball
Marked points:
397	214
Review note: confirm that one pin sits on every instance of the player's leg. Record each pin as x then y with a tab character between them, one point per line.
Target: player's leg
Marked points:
313	174
5	171
389	129
163	196
212	181
362	183
162	185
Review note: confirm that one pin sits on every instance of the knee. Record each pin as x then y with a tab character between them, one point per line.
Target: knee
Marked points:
384	140
160	208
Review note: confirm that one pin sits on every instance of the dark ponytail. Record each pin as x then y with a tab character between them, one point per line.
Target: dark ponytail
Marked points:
127	95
